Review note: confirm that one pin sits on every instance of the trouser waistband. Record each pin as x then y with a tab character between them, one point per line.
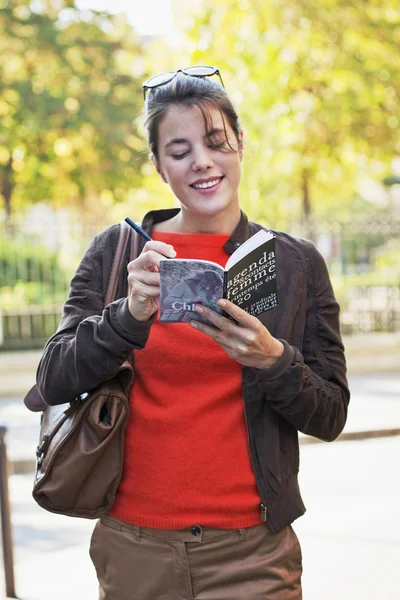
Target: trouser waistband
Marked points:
195	533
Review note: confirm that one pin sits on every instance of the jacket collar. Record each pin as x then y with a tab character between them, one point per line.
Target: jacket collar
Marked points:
239	235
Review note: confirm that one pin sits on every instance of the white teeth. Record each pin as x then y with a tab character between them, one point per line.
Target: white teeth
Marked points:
203	186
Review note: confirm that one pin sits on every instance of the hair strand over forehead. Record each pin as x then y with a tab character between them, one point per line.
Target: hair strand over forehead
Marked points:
189	91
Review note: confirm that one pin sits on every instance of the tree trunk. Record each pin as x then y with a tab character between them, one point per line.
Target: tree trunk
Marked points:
7	187
306	196
306	206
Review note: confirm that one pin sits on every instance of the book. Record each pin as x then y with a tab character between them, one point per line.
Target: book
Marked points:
248	280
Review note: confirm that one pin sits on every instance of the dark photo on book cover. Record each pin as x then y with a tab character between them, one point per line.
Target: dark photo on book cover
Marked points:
186	283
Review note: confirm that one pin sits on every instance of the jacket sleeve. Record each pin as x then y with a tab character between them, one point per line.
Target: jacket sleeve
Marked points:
91	342
309	387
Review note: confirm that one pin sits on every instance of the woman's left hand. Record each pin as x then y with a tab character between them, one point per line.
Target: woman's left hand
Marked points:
247	340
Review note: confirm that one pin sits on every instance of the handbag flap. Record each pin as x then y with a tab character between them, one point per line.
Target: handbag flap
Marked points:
34	401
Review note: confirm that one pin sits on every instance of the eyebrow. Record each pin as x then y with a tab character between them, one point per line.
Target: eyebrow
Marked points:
176	141
185	141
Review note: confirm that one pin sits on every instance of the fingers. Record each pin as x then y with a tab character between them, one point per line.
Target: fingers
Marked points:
166	250
226	333
144	281
240	315
223	338
144	287
161	247
142	291
145	277
247	340
150	259
248	326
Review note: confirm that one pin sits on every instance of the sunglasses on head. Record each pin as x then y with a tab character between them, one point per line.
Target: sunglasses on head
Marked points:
163	78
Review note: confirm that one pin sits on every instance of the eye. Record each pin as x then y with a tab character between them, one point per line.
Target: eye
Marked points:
179	156
217	143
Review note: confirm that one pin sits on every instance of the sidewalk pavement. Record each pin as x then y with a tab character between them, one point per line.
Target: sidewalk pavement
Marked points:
350	535
374	412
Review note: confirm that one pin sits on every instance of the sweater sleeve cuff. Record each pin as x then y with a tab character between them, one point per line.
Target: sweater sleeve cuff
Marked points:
279	367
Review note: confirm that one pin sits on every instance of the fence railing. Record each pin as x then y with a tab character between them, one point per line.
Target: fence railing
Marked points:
29	327
362	256
6	528
371	309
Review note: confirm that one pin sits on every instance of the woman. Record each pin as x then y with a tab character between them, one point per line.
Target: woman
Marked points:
209	489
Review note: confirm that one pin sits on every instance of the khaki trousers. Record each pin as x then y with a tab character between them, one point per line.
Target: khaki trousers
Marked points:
140	563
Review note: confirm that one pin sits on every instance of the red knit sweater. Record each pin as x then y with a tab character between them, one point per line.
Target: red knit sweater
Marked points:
186	451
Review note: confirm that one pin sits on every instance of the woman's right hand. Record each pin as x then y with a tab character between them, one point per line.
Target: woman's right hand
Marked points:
144	279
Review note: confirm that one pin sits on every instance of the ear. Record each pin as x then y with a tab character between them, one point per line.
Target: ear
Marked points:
240	145
157	166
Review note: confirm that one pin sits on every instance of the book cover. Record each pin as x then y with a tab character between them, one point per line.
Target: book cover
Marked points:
248	280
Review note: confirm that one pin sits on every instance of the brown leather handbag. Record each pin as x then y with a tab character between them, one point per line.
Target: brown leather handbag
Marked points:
81	448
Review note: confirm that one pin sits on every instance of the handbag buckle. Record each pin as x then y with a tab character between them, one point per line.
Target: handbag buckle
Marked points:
40	451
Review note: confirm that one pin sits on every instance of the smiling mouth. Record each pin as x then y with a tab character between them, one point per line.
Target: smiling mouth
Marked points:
207	184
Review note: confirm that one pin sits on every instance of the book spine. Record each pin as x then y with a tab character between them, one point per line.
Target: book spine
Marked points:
225	295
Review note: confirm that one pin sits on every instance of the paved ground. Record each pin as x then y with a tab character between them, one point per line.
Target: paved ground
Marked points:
350	535
351	531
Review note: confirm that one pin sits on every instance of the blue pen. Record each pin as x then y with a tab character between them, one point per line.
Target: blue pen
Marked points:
138	229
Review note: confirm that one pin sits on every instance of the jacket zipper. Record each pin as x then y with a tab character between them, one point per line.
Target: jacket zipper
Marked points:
263	513
263	508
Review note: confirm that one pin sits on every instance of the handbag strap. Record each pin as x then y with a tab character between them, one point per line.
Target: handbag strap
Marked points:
135	244
126	234
33	399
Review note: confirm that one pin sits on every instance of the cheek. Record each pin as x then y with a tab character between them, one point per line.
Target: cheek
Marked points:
235	167
177	174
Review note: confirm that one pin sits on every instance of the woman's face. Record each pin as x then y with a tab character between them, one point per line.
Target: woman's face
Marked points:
201	168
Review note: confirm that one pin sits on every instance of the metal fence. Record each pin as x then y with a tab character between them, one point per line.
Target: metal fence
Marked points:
28	327
371	309
363	258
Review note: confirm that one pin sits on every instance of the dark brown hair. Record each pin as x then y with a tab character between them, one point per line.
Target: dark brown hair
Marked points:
184	90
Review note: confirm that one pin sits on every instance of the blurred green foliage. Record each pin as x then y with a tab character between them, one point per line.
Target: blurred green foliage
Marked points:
318	87
316	84
30	275
68	103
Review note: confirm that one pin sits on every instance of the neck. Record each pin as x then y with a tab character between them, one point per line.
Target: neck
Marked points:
187	222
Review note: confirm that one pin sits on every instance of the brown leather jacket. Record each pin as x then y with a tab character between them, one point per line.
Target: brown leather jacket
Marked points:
306	390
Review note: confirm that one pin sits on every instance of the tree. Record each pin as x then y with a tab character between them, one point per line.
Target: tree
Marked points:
318	88
68	104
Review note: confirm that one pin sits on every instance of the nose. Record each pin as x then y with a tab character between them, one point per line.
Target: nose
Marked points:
202	158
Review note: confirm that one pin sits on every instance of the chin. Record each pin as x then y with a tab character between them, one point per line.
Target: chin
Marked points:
212	211
212	206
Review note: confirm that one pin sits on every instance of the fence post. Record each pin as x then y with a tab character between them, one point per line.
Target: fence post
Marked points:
8	558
